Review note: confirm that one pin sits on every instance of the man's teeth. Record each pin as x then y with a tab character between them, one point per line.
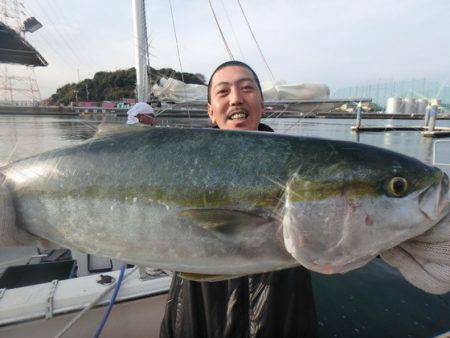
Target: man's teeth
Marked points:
237	116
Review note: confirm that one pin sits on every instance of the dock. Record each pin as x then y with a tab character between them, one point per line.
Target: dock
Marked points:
428	129
387	128
437	133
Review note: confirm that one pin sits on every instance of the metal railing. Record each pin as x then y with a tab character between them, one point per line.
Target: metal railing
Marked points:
434	152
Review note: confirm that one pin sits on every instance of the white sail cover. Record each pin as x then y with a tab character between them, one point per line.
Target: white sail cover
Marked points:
278	90
177	91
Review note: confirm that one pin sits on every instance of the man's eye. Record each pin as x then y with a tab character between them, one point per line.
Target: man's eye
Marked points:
248	88
222	92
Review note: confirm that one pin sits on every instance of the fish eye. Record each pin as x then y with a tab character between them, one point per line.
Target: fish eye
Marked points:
397	186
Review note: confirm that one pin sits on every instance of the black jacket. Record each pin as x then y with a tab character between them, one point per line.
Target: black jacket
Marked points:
261	127
274	304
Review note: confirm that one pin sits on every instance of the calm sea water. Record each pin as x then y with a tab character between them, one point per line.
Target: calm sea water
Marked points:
23	136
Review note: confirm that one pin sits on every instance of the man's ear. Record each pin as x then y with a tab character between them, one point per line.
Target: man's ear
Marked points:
211	114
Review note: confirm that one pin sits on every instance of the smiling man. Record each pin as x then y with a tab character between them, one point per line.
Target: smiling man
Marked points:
235	99
273	304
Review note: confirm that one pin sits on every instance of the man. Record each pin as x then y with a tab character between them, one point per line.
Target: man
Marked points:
275	304
142	113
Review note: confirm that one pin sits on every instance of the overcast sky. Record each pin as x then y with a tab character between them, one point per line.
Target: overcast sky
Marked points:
336	42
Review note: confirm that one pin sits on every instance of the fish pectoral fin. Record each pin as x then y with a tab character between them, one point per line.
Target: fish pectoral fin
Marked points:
198	277
223	219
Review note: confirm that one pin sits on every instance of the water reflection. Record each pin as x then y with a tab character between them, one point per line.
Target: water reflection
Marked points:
22	136
76	130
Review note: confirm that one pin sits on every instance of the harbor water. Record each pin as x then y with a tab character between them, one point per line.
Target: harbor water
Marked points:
372	301
23	136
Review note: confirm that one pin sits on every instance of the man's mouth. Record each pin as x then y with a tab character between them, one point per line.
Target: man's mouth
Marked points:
238	115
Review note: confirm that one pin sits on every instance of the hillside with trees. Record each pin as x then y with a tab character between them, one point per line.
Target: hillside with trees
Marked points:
113	86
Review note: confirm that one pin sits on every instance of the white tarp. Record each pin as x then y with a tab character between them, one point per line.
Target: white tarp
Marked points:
178	91
273	91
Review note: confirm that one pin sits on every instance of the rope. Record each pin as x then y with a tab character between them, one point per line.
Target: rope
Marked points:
256	42
91	305
176	39
220	31
178	53
111	303
232	29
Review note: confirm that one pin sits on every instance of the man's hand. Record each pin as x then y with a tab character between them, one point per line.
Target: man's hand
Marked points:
425	260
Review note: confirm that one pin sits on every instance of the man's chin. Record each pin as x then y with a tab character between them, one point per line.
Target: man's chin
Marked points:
240	125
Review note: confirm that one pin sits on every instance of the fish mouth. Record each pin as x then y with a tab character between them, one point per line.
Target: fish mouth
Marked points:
333	268
434	201
238	114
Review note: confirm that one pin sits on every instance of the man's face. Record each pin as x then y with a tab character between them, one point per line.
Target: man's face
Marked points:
236	102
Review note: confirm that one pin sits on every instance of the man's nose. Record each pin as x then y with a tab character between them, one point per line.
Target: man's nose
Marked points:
235	96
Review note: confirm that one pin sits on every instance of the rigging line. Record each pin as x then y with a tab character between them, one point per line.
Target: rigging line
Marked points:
232	29
220	31
78	40
178	52
67	39
176	40
56	51
62	38
256	42
50	46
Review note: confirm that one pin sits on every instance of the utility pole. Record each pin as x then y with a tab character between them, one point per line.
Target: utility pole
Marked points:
87	92
76	97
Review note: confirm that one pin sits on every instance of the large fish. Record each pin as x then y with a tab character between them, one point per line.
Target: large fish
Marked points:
214	202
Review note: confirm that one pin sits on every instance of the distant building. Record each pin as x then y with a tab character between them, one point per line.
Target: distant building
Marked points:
108	104
126	103
46	102
88	104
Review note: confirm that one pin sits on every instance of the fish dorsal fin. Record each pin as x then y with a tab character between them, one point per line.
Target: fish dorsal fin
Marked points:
105	130
223	219
198	277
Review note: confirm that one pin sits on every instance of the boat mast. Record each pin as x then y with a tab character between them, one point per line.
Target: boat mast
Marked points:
141	50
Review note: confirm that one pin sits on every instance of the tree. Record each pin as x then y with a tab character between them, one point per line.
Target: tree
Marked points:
113	86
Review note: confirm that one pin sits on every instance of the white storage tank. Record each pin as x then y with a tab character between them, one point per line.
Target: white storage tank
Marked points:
394	105
409	105
421	106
